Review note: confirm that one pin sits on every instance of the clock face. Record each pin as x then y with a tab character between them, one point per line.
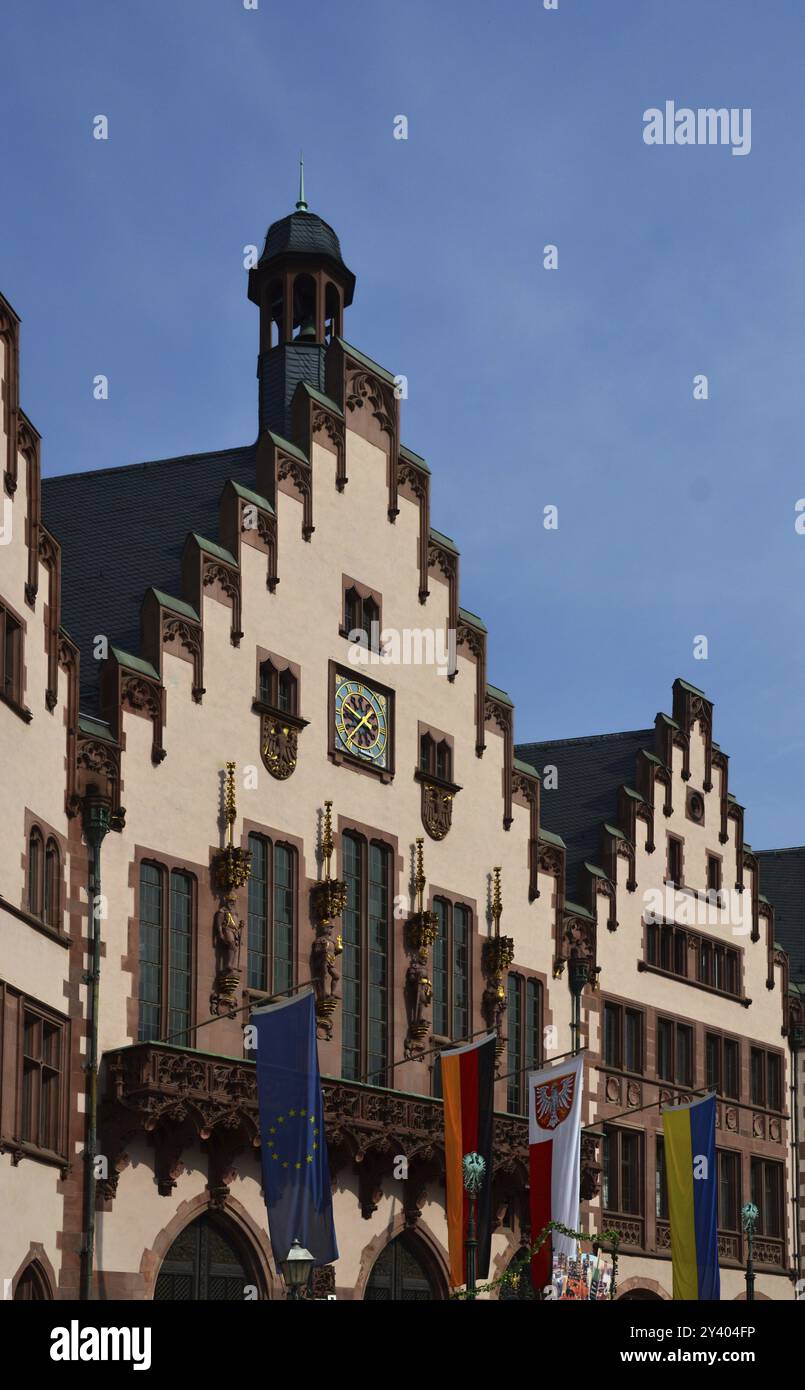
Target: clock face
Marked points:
361	721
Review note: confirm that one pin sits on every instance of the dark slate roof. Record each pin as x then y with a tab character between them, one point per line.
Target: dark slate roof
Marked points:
303	233
782	881
306	234
589	772
123	530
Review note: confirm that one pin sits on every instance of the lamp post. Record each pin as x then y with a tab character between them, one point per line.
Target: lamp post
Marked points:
296	1269
474	1169
749	1215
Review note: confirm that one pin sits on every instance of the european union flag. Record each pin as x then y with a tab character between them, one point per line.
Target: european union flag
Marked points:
296	1174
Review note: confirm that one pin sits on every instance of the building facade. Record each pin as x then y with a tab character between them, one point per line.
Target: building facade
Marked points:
214	791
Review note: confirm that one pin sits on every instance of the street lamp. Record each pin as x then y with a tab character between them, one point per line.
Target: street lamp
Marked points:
749	1216
474	1169
296	1269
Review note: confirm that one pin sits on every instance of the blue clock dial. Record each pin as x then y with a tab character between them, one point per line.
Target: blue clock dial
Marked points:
361	721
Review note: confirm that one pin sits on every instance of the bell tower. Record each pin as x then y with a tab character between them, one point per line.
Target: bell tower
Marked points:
301	287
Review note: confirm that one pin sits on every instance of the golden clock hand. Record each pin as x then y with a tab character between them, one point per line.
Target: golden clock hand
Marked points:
357	727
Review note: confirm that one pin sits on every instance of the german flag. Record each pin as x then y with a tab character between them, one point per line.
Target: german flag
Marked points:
468	1085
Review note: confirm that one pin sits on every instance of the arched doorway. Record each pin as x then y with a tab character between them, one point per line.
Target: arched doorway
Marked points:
404	1272
32	1285
208	1260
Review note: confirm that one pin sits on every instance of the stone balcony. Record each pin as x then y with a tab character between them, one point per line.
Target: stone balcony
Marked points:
180	1098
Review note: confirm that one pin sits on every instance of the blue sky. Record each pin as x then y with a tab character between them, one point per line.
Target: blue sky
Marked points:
526	387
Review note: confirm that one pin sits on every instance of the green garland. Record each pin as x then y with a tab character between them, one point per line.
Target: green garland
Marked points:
513	1273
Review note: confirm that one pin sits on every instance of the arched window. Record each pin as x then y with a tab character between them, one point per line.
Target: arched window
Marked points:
304	308
275	316
332	313
362	614
272	915
209	1260
436	759
36	871
52	897
166	954
278	688
32	1285
365	969
404	1272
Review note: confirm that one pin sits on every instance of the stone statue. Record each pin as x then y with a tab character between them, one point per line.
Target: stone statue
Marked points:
227	932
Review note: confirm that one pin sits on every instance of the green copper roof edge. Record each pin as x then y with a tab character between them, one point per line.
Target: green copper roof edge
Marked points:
99	728
251	496
686	685
522	766
367	361
135	662
594	869
499	694
445	540
472	618
287	447
413	457
577	910
550	838
214	549
177	605
321	398
613	830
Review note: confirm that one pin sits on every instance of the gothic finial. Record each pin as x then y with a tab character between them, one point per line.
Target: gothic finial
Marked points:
497	900
230	805
301	205
327	838
419	881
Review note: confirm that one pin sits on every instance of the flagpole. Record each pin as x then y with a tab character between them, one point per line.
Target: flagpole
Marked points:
474	1169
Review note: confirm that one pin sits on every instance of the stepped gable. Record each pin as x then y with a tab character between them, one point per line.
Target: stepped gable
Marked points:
782	879
589	772
121	531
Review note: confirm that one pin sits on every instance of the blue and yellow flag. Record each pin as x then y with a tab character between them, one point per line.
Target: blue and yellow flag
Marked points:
296	1174
692	1177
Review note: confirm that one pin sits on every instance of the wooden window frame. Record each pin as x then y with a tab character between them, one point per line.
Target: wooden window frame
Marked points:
368	609
760	1162
166	931
675	1024
518	1065
618	1133
451	906
11	654
624	1012
31	1008
367	842
675	846
272	844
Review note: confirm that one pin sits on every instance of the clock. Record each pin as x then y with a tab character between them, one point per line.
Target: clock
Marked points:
362	722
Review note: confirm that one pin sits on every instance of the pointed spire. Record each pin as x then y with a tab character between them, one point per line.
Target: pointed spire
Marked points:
301	205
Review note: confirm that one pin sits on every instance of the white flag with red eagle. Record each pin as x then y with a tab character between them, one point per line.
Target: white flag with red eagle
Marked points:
554	1149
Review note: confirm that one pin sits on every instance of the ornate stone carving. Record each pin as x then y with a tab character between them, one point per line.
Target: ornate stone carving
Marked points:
297	471
590	1174
328	900
497	954
231	869
190	636
279	744
228	579
145	697
437	809
421	930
